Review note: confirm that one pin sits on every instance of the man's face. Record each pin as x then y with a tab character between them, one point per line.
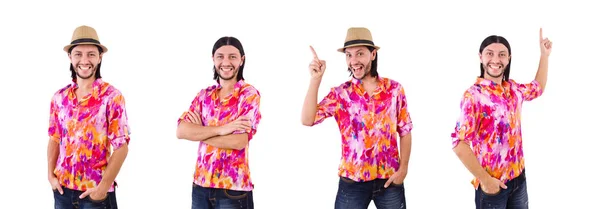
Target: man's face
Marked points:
227	61
494	59
359	60
85	60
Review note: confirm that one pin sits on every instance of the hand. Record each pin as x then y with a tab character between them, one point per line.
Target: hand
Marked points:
96	194
55	184
193	117
491	185
240	124
397	178
317	66
545	45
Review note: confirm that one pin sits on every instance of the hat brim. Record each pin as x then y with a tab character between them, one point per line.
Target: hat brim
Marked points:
353	45
67	47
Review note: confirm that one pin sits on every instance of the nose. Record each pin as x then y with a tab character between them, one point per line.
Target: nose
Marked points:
85	59
496	59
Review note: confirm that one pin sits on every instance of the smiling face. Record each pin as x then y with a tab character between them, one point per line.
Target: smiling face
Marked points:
85	60
494	58
227	60
359	60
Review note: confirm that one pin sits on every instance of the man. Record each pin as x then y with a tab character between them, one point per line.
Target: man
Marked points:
87	119
370	111
223	118
490	123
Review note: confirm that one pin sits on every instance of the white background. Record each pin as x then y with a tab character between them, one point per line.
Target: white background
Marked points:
159	56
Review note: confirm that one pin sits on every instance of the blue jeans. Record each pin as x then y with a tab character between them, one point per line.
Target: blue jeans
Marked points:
211	198
358	195
513	197
70	200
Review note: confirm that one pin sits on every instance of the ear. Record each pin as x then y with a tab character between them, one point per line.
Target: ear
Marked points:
480	58
373	54
243	60
100	59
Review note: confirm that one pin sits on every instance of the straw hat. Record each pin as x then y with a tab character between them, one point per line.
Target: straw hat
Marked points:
85	35
358	36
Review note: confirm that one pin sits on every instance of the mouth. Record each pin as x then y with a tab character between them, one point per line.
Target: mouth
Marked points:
495	66
84	68
358	69
226	69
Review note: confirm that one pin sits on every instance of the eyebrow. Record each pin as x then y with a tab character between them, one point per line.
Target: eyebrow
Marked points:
227	54
489	50
77	51
360	50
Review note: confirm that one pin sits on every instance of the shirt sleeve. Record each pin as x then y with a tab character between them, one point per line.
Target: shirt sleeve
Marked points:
530	91
327	107
467	124
196	107
250	107
118	127
404	121
54	130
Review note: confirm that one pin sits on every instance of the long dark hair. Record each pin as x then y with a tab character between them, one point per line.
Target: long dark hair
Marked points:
96	75
373	71
492	40
228	40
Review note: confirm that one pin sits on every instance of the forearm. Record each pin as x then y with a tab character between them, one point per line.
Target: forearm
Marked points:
114	166
53	151
195	132
309	109
405	148
466	156
542	73
230	141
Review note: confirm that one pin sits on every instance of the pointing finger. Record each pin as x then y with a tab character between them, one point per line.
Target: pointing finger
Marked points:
314	53
541	36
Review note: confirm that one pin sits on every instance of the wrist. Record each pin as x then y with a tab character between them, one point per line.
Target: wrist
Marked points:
316	81
103	186
51	176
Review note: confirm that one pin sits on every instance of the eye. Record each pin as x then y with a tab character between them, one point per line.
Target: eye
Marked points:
232	57
92	55
502	55
348	55
490	53
360	54
219	57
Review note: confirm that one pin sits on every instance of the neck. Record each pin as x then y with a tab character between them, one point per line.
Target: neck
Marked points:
369	79
497	80
85	84
227	85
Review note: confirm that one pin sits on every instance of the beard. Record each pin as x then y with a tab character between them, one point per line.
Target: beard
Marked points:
233	75
489	71
366	70
79	75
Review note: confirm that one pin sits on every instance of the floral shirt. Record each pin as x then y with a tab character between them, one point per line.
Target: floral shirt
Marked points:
86	130
490	121
369	126
225	168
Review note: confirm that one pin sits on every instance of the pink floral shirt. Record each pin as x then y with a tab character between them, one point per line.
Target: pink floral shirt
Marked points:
490	122
225	168
369	127
86	130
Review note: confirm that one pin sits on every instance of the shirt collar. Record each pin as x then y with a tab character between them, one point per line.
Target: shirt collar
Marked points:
381	84
237	85
486	82
95	87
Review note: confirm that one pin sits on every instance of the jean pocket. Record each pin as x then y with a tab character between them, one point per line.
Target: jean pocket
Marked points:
397	185
234	194
89	197
490	194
